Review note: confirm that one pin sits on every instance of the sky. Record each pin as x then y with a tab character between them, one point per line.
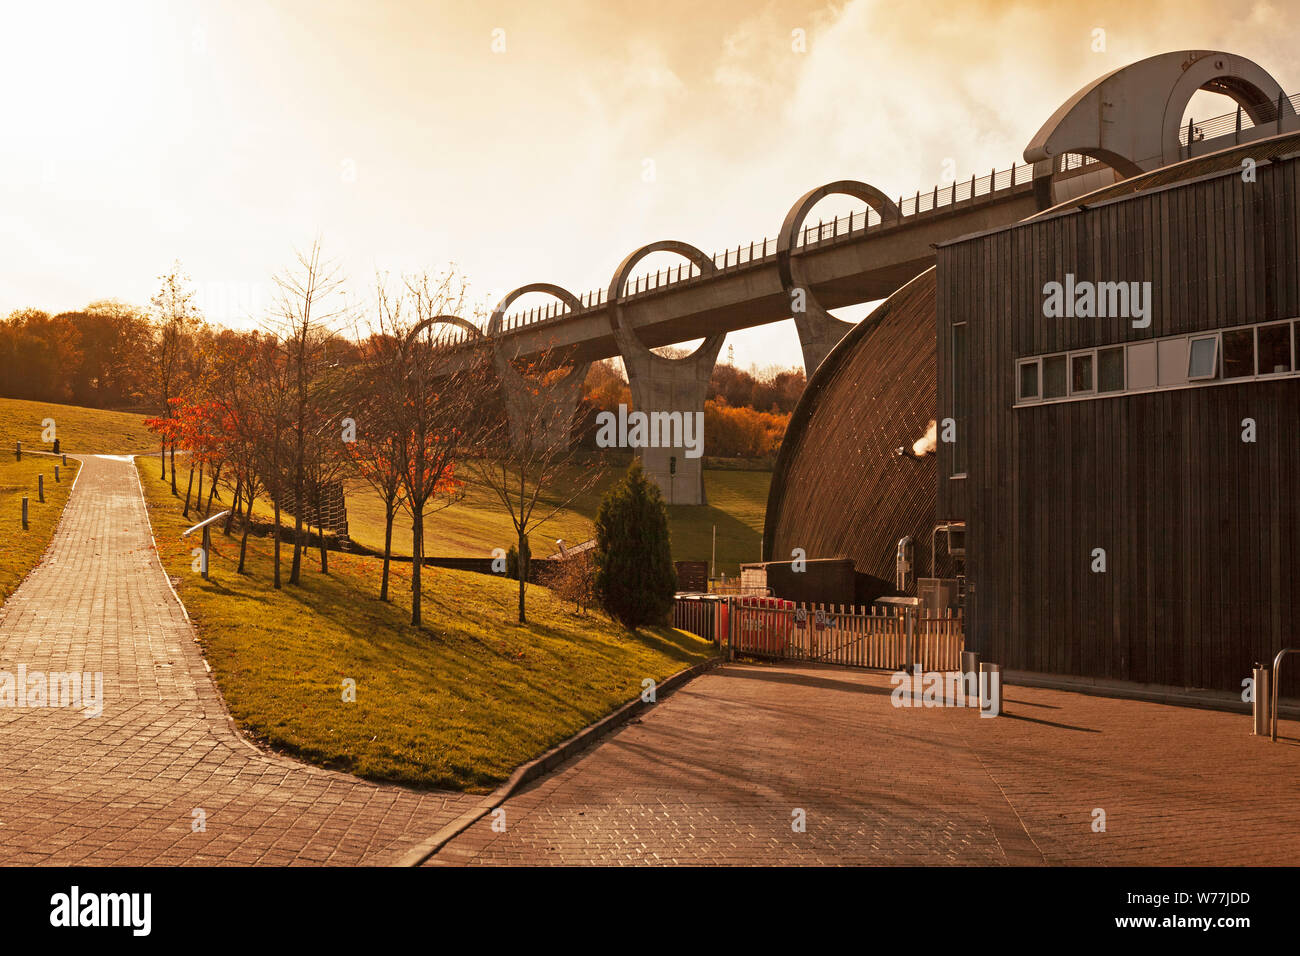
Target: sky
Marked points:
523	142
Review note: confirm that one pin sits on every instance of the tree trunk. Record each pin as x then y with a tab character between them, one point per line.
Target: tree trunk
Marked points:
175	490
163	458
234	505
216	476
298	544
198	499
188	488
243	539
417	560
324	551
276	533
389	513
522	564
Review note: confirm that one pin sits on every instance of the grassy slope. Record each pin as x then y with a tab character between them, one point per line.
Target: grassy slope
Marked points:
20	550
88	431
476	525
459	704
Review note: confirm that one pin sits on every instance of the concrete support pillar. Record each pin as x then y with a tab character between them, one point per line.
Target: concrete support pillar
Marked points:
819	331
667	387
676	387
542	418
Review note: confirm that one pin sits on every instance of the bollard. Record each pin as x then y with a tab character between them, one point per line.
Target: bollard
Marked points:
991	690
65	461
18	451
40	488
1260	706
24	512
970	677
56	474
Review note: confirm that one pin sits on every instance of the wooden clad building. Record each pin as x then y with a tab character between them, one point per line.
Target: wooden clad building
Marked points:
1130	481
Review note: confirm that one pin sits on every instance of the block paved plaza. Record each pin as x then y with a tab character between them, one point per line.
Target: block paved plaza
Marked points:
713	775
717	773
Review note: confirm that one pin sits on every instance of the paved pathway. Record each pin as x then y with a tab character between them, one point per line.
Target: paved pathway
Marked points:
123	787
714	773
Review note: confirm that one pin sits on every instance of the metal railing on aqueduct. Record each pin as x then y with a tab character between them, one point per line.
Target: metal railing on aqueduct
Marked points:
775	629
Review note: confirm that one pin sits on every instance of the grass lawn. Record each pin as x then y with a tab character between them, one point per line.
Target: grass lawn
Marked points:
89	431
458	704
20	550
477	524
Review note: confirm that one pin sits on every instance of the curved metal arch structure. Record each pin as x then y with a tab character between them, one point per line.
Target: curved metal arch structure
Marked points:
455	320
662	385
787	239
1130	118
818	330
528	427
628	342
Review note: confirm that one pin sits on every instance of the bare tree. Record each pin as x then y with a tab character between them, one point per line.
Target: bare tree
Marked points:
176	316
274	394
237	390
442	385
374	393
529	459
307	306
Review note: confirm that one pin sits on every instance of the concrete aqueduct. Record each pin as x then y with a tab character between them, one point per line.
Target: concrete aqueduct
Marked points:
1124	123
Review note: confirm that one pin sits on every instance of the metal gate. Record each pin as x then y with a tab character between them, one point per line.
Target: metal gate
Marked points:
775	629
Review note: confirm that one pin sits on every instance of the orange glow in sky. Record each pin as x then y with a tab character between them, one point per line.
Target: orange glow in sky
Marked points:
513	138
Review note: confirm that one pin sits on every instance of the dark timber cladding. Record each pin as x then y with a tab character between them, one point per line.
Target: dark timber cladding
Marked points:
1199	527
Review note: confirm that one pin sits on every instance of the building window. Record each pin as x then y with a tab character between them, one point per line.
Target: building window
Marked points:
1203	357
1274	349
1054	378
1171	361
1110	369
1028	388
1268	350
1081	370
1142	366
1239	353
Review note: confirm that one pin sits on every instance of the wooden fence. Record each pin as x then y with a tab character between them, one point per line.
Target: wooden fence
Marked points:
772	628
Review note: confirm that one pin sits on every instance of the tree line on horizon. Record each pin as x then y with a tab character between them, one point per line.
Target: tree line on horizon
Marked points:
117	356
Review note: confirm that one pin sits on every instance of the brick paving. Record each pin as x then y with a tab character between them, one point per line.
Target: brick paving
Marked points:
716	773
122	788
712	776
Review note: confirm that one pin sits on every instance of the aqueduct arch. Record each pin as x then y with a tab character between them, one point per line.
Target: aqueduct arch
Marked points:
662	384
819	331
523	408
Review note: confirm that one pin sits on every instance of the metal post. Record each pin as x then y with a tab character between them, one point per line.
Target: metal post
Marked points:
970	674
207	549
991	690
1260	705
24	512
1277	679
40	488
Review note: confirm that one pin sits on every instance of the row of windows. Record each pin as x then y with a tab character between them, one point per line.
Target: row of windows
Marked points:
1246	352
